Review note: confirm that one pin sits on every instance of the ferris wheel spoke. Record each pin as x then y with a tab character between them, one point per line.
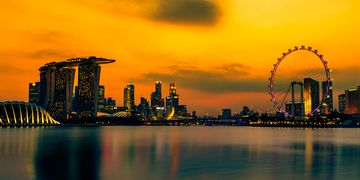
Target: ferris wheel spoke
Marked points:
282	102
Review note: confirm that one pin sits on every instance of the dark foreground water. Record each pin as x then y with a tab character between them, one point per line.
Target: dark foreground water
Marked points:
179	153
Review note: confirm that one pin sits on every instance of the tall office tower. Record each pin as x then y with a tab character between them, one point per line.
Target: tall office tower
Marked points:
56	87
352	101
64	86
168	103
311	95
329	107
172	89
47	85
158	89
101	98
172	101
88	83
129	96
143	108
342	103
34	93
157	95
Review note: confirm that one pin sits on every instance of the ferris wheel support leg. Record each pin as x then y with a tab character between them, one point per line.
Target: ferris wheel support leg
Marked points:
292	99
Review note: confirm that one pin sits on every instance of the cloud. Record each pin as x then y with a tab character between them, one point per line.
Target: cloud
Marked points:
346	78
48	36
212	81
49	54
235	69
202	12
7	68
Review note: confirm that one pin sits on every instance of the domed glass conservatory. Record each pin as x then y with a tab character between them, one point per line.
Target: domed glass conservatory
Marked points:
24	114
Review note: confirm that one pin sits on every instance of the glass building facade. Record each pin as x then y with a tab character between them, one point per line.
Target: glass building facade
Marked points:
311	95
352	101
88	84
156	96
342	105
56	88
129	97
34	93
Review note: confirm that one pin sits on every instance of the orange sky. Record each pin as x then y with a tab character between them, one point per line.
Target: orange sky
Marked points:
219	52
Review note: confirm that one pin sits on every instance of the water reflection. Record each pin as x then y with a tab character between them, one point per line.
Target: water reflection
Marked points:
179	153
68	154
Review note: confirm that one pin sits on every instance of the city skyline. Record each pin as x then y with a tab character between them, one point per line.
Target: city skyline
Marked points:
234	45
179	89
56	93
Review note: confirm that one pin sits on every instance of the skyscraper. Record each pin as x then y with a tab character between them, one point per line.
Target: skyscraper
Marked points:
158	89
56	87
34	93
172	89
57	82
63	91
311	95
129	96
352	101
172	101
101	98
329	98
88	83
157	95
47	85
342	103
143	108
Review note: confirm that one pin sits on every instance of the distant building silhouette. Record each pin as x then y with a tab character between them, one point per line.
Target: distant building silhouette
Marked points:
352	101
245	111
129	96
226	113
298	108
182	111
193	115
144	108
156	96
34	93
342	103
109	105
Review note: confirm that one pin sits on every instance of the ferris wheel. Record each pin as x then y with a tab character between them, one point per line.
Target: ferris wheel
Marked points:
300	82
